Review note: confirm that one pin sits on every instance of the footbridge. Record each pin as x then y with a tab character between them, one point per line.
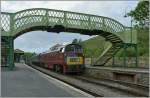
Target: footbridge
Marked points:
16	24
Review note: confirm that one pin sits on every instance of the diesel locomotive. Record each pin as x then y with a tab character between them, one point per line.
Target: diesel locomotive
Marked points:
62	58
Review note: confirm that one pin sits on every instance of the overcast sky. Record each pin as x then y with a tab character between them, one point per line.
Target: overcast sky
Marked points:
39	41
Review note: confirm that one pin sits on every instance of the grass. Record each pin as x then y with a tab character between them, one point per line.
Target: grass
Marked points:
95	46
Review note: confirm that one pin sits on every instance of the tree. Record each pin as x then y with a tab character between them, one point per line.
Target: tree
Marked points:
28	55
75	41
141	14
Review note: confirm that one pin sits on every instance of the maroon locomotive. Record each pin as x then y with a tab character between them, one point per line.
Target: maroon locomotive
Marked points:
62	58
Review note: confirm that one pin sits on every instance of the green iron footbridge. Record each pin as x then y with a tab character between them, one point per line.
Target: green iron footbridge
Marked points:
16	24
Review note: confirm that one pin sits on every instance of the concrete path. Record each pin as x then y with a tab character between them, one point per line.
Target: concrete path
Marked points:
27	82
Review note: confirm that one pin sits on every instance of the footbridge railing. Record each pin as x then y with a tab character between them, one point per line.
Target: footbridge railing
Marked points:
13	23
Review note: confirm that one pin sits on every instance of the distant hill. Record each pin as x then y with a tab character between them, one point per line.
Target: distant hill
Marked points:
95	46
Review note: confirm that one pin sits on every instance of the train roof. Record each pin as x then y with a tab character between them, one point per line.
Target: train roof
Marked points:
57	47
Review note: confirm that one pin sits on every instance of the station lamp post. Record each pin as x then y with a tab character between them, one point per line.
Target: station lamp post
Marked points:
125	47
130	25
135	46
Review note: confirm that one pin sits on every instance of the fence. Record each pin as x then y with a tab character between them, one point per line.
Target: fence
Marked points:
143	62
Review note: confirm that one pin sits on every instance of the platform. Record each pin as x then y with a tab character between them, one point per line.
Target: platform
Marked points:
132	75
25	81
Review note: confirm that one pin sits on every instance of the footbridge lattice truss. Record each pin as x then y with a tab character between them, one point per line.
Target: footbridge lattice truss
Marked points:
15	24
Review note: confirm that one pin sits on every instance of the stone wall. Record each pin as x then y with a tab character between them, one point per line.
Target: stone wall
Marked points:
119	74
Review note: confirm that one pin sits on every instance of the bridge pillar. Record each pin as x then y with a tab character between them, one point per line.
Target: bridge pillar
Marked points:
10	53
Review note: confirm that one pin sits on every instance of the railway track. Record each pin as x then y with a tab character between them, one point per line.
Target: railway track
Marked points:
99	88
136	89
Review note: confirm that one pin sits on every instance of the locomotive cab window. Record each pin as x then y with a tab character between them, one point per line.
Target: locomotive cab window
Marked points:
70	48
73	48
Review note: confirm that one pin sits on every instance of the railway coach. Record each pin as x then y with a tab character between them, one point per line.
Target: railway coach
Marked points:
62	58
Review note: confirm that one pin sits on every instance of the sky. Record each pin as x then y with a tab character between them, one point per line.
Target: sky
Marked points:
39	41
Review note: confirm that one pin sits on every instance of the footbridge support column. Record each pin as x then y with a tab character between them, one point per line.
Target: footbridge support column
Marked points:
11	53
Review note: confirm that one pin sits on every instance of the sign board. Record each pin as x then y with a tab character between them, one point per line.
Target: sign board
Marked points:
88	61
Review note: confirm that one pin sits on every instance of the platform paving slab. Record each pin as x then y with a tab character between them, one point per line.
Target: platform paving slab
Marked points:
26	82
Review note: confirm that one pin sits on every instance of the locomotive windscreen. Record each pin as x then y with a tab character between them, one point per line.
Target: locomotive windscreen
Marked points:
73	48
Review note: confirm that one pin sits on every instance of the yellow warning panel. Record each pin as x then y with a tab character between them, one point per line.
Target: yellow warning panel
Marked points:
74	60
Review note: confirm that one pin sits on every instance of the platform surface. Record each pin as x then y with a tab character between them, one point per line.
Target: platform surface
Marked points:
26	82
